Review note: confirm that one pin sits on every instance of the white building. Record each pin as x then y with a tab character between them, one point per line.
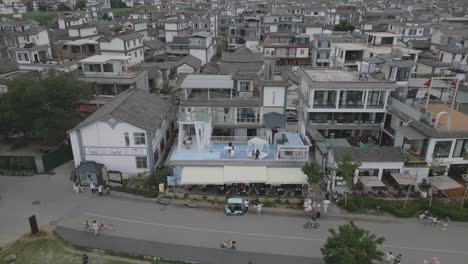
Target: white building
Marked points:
138	25
111	76
176	27
130	134
202	46
125	44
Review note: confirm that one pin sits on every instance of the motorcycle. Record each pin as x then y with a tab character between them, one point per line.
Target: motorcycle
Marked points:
231	244
310	224
191	205
161	201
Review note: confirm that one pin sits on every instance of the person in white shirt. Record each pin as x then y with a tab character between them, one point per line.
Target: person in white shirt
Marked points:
259	209
92	186
246	204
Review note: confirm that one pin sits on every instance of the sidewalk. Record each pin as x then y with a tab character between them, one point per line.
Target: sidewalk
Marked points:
173	251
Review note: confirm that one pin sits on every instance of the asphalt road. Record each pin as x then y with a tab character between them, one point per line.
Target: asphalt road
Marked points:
200	231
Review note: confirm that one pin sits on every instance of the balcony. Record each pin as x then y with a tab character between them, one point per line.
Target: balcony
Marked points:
190	117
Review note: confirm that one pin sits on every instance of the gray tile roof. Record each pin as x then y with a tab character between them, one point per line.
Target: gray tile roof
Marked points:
154	44
123	36
190	60
136	107
370	154
180	41
274	120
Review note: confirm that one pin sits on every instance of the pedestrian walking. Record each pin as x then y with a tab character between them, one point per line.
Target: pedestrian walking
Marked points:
246	204
326	203
100	188
318	211
92	186
259	209
76	188
327	196
389	257
95	228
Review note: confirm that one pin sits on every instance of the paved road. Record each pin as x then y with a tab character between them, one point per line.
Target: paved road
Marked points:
273	236
168	251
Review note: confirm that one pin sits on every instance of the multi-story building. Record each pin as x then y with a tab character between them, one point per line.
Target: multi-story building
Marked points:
202	46
342	13
377	43
111	76
130	134
321	46
124	45
450	44
341	103
176	27
287	48
81	42
24	42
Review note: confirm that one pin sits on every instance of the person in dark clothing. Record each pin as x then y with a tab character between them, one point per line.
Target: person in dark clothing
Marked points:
257	154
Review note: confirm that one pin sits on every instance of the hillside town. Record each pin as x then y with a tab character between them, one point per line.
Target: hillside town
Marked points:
320	108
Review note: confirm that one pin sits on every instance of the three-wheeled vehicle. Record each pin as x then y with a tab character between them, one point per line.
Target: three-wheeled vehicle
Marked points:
234	206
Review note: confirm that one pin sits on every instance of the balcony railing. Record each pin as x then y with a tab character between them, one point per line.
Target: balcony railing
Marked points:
193	117
232	139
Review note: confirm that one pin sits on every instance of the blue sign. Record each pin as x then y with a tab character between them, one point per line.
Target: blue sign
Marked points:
171	181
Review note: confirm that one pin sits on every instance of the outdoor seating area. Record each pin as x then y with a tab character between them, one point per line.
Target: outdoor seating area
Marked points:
248	190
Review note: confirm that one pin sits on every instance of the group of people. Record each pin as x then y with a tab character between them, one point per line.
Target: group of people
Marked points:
231	149
99	189
431	220
392	259
255	154
93	227
257	205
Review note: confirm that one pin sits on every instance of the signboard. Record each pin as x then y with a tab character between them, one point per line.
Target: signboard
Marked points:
273	96
171	181
115	151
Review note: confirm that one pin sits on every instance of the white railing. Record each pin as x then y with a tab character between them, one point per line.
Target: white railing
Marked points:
232	139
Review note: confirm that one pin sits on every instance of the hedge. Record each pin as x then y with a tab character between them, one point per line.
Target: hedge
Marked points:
439	208
134	191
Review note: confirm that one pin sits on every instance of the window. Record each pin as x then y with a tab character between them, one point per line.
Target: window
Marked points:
139	41
141	162
136	54
375	99
461	148
412	32
301	52
324	99
134	42
128	44
139	138
442	149
244	86
108	67
127	139
453	56
303	30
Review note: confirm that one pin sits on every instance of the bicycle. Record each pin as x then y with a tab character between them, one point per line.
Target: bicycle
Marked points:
104	226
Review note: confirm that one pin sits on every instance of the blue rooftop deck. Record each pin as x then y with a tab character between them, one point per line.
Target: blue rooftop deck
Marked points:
218	152
293	139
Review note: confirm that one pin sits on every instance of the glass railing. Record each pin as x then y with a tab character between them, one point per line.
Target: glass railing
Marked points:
193	117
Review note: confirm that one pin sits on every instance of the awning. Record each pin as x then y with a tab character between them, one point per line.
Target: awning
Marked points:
274	120
277	176
202	175
245	174
410	133
444	183
371	181
403	179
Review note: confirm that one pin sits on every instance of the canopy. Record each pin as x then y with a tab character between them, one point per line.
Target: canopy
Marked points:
245	174
444	183
202	176
403	179
235	200
277	176
371	181
258	142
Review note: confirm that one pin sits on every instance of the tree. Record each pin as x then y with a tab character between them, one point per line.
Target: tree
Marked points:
346	167
63	7
80	4
42	7
352	245
43	108
117	4
313	173
344	26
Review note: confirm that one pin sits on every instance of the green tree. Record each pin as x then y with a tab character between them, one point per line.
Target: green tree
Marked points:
352	245
44	108
346	167
313	173
117	4
344	26
6	119
42	7
80	4
63	7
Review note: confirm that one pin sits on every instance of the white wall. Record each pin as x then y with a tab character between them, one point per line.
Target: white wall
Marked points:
184	68
114	44
200	54
100	134
274	96
380	166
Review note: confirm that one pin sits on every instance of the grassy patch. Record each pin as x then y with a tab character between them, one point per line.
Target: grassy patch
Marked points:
47	19
439	207
49	248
